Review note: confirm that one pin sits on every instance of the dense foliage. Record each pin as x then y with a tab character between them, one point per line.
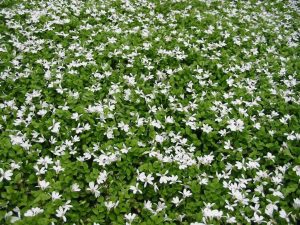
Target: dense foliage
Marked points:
149	112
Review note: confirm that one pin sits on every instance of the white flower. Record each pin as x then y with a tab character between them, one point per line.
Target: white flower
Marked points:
45	161
42	112
135	189
67	205
253	164
223	132
163	178
148	205
231	220
206	128
109	133
57	168
43	184
75	187
60	213
62	210
15	166
55	127
270	156
235	125
39	171
186	193
297	170
125	149
155	187
269	210
257	218
296	203
277	192
109	205
75	116
257	126
230	206
102	177
161	205
206	159
145	179
203	180
94	189
86	126
5	175
169	119
284	215
55	195
176	201
33	212
209	213
17	139
130	217
228	145
159	138
123	126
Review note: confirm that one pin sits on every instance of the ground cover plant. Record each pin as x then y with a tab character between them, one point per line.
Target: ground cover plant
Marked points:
149	112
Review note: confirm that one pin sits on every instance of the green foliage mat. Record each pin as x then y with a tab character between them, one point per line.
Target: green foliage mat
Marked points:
149	112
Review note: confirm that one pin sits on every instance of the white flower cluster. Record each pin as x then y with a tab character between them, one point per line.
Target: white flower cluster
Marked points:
149	112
